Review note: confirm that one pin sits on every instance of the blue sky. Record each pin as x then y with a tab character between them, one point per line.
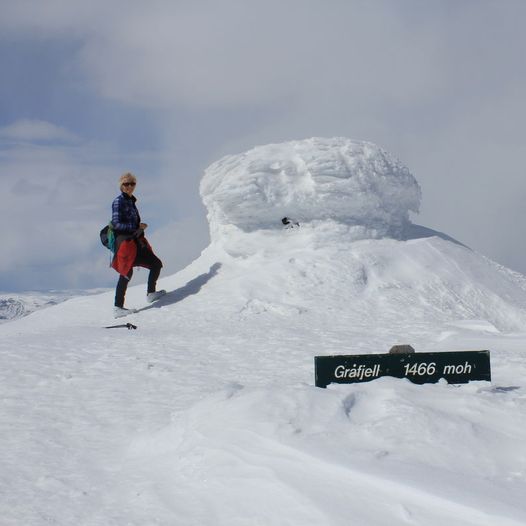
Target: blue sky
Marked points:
90	90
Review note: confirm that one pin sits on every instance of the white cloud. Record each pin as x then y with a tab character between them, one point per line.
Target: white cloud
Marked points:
51	199
208	53
36	130
237	53
368	56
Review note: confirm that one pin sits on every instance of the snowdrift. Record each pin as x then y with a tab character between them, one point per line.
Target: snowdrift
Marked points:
207	414
372	454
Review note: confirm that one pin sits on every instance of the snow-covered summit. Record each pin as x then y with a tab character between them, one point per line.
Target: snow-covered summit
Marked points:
338	179
207	414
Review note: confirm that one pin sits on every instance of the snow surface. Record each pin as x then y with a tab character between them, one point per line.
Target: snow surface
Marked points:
207	413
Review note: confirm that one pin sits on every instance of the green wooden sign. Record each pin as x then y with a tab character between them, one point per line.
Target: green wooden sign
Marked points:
457	367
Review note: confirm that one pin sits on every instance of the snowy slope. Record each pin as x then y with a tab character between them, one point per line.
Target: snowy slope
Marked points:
207	414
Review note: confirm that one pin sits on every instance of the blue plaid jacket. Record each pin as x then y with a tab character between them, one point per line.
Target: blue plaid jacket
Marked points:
124	214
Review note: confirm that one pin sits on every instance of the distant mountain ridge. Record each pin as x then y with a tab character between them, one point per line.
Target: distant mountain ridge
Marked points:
14	305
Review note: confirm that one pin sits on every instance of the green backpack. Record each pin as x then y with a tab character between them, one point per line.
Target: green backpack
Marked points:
107	237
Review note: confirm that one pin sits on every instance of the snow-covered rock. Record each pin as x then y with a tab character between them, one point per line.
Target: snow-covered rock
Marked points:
352	182
11	308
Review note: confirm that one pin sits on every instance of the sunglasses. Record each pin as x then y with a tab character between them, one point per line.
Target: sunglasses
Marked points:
129	184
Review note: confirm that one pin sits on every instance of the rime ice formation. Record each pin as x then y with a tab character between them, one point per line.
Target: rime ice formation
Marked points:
350	182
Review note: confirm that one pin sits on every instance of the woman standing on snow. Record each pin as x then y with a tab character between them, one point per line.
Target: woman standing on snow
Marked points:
131	247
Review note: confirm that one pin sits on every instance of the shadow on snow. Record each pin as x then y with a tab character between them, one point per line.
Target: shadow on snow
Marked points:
413	231
191	288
